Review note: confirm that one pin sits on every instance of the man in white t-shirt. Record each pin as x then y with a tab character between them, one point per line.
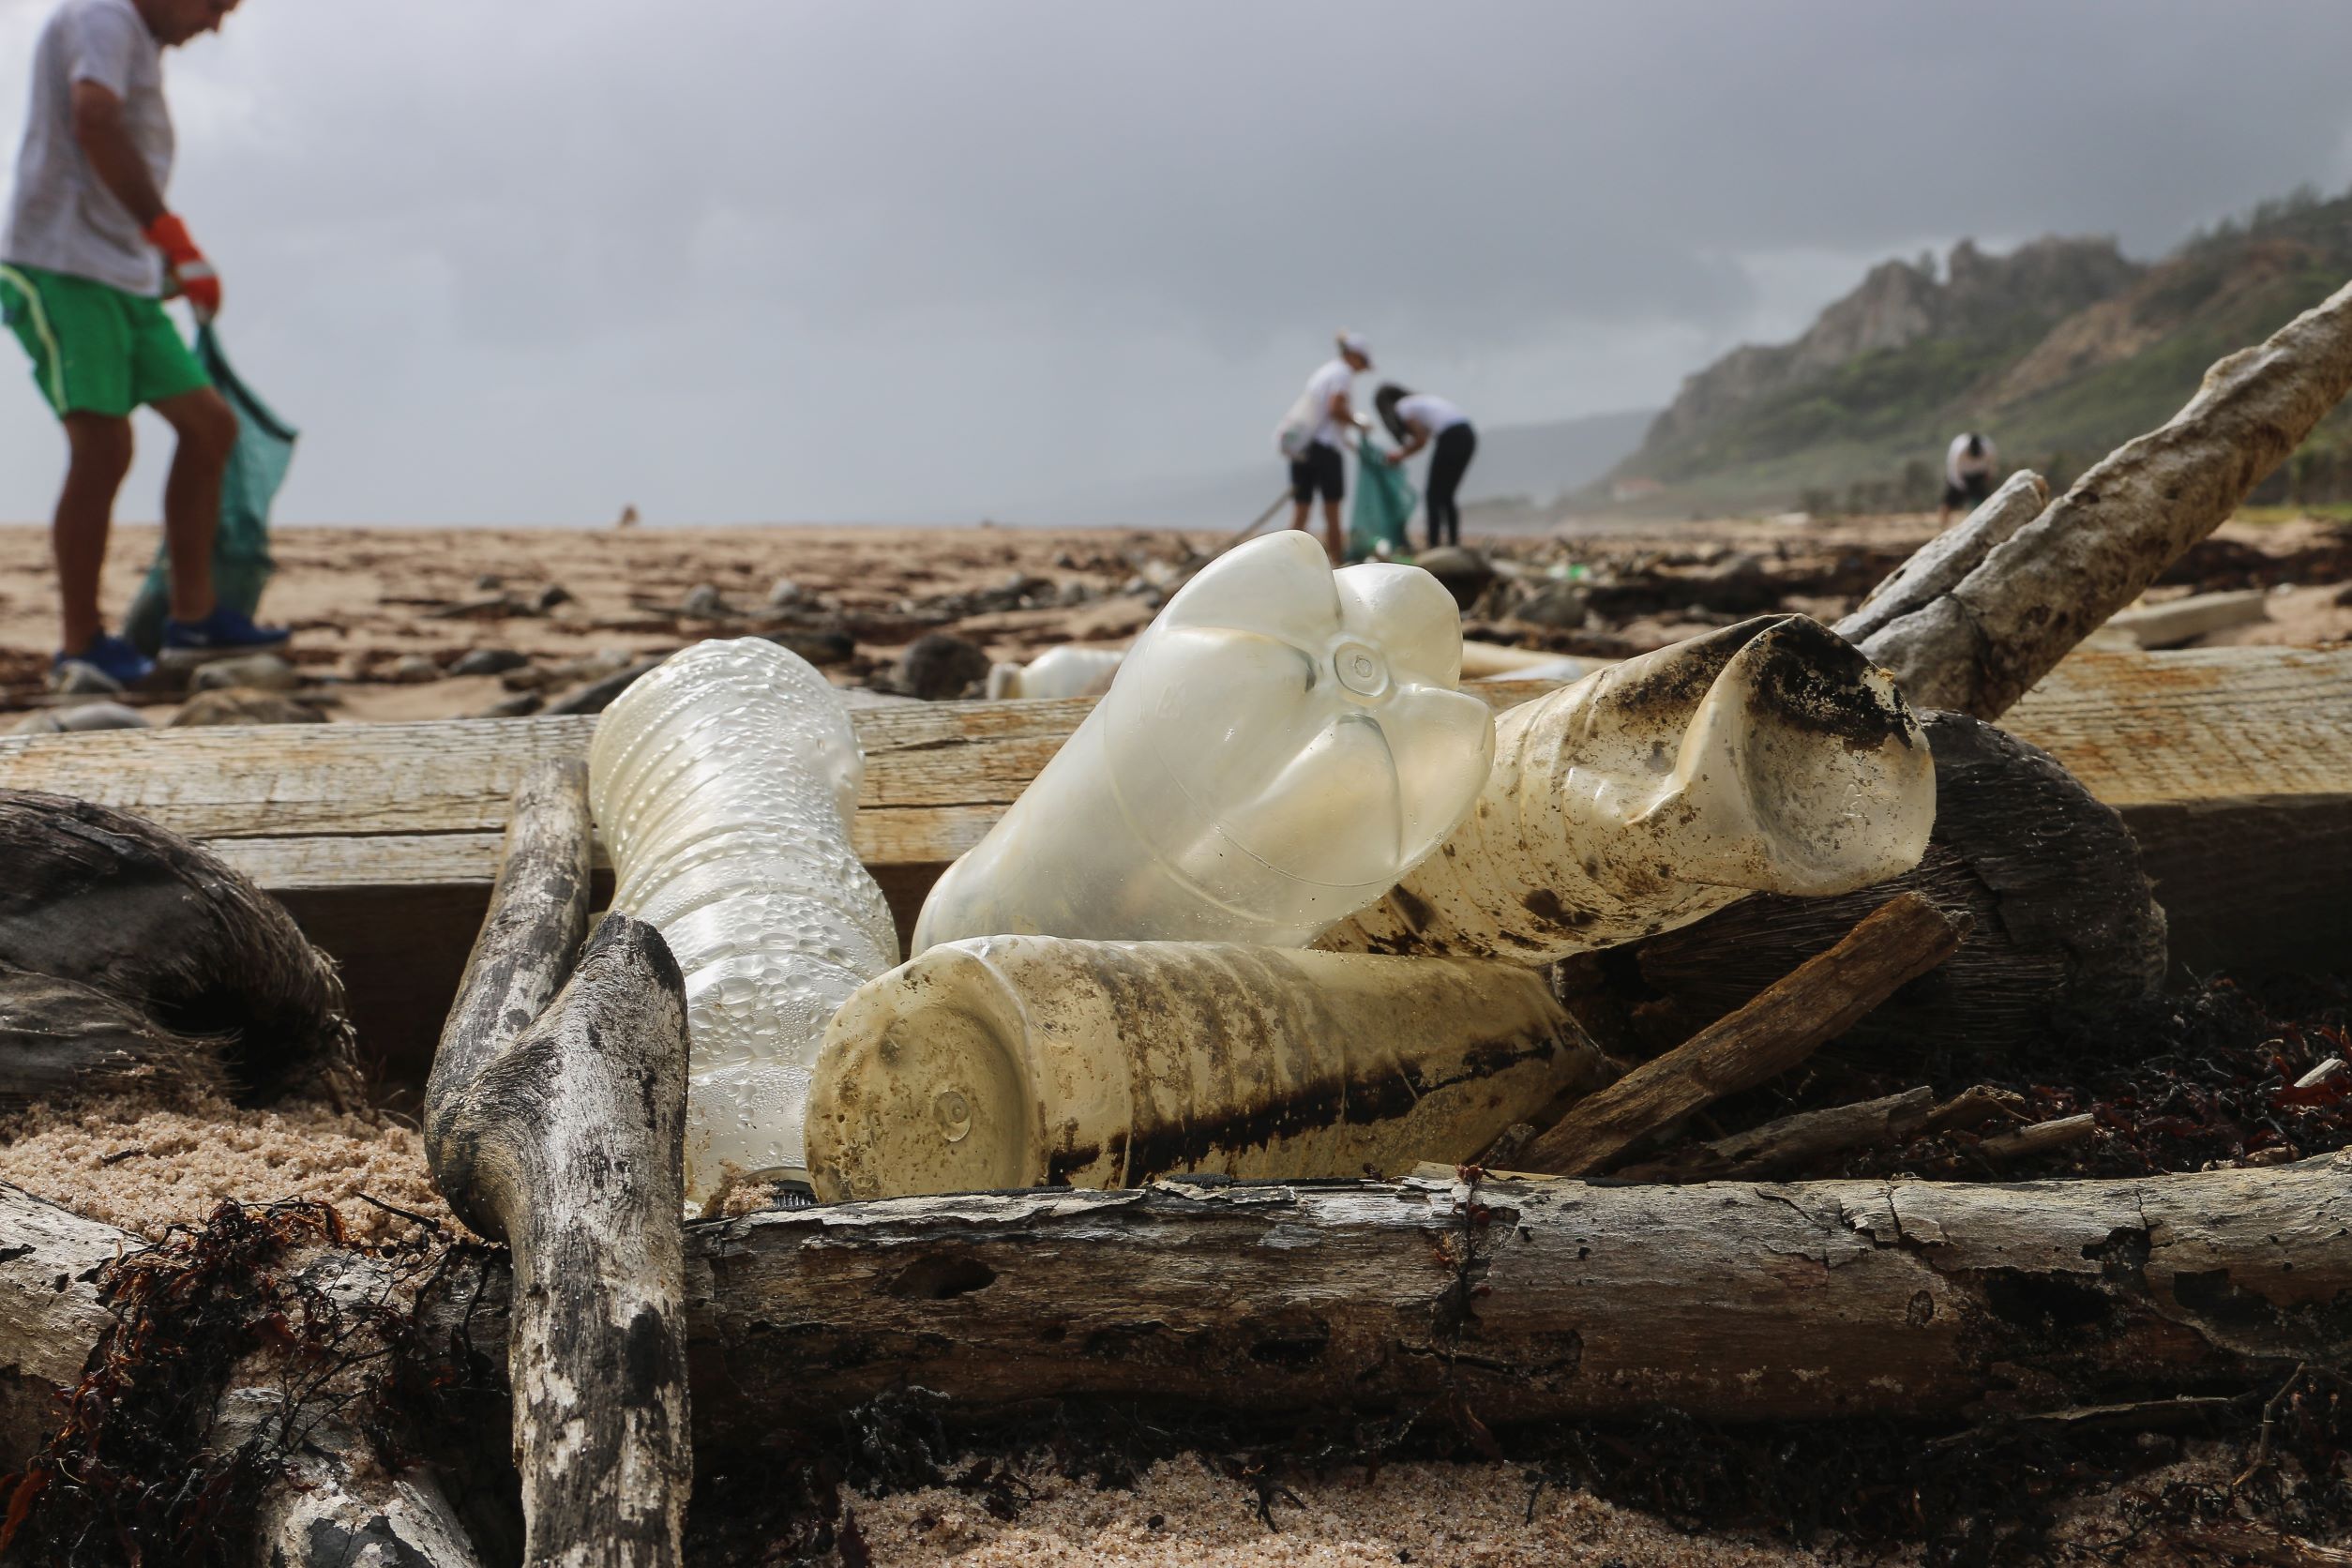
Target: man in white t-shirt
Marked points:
88	250
1971	466
1316	435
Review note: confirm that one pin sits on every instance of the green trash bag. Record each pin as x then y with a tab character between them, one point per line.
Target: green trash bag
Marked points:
1384	504
240	551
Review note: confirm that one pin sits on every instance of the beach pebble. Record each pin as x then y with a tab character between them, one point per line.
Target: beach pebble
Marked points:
80	718
785	593
260	672
489	661
940	666
244	705
1465	572
703	601
518	706
551	595
599	695
416	667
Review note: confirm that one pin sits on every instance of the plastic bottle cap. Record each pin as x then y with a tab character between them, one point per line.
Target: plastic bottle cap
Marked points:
1361	669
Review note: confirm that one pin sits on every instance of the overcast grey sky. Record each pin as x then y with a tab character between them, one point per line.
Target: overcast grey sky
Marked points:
523	261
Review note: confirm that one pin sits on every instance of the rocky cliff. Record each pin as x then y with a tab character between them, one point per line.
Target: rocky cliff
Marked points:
2061	349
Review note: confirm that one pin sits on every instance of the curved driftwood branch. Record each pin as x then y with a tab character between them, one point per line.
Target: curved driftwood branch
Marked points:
1984	642
538	914
1940	565
561	1132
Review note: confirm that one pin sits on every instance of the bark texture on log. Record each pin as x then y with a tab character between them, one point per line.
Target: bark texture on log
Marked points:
1529	1301
111	902
561	1132
575	1142
59	1038
1563	1299
1779	1028
2063	919
1939	566
49	1314
538	914
1980	646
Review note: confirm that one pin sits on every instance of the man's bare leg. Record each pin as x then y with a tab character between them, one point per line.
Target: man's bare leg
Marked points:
207	431
1334	541
97	455
1298	511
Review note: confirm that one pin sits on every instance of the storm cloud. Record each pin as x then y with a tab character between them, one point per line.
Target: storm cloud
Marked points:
741	259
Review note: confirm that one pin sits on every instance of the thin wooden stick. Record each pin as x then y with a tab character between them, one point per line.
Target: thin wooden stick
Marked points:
1787	1022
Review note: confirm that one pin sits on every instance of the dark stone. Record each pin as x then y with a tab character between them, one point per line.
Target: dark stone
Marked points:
940	666
597	696
489	661
1465	573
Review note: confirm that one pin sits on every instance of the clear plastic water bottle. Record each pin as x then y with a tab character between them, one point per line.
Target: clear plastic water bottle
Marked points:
1280	746
724	784
1068	671
1007	1062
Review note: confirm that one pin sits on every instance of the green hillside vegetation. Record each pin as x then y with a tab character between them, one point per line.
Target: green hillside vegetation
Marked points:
2056	390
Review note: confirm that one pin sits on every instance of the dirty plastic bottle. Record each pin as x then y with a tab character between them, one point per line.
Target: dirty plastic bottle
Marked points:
724	783
1005	1062
1067	671
1767	756
1279	746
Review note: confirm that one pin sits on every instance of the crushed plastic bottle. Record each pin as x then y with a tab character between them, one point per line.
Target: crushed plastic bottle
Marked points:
1767	756
724	784
1006	1061
1067	671
1279	746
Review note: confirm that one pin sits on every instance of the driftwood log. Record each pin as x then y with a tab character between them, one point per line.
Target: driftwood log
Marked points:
1779	1028
559	1128
2064	920
1521	1301
124	946
1983	642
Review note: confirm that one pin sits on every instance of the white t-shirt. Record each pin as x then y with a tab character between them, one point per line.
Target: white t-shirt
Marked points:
62	218
1335	378
1959	467
1430	411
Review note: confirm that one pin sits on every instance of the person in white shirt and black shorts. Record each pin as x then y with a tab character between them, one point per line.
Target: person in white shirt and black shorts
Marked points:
1418	419
1314	436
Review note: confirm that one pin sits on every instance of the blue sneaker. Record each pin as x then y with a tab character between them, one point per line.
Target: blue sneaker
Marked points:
222	634
111	657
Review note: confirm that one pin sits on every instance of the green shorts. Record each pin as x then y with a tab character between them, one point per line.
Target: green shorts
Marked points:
96	348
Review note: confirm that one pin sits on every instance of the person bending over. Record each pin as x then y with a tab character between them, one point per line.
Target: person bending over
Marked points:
1418	419
1971	466
89	249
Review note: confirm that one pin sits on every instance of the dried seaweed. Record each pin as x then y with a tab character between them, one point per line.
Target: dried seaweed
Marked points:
141	1473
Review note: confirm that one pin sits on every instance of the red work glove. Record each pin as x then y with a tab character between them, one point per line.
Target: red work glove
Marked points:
190	270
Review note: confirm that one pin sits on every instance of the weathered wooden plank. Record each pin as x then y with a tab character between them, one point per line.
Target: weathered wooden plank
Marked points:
2233	767
2197	728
